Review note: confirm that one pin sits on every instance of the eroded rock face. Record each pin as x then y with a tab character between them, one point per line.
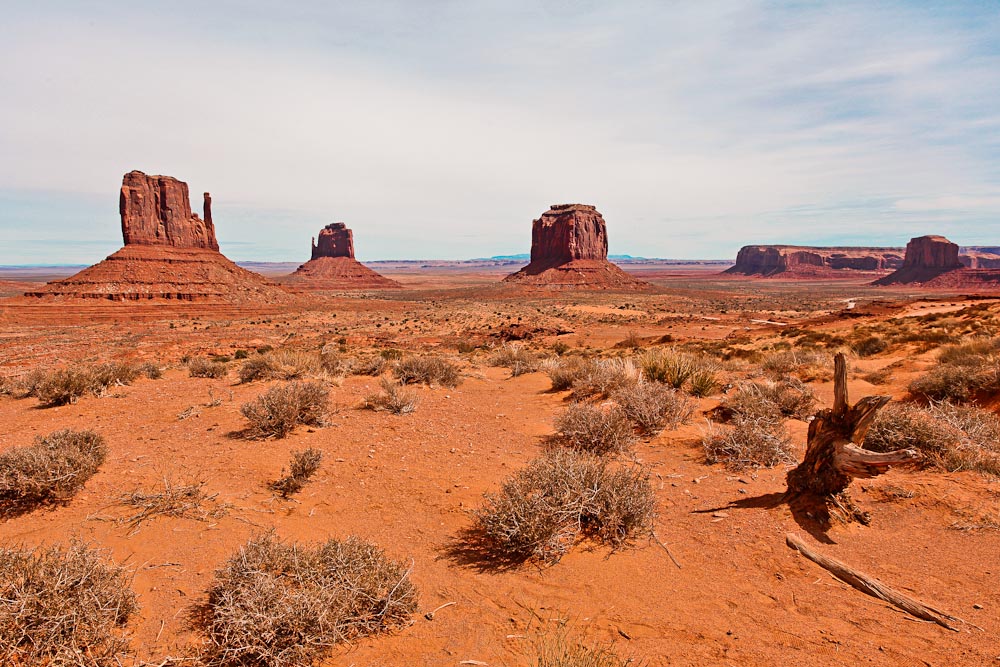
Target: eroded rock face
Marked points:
770	260
567	232
335	240
156	210
931	252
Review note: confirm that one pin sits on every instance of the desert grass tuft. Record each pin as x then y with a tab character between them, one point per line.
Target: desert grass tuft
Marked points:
558	649
53	468
280	604
63	606
199	367
302	466
429	370
281	408
393	397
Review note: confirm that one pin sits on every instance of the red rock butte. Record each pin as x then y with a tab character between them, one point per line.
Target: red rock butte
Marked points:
934	261
333	266
807	261
169	253
569	249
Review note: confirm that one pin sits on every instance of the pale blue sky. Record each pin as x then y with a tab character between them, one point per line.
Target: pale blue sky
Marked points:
440	129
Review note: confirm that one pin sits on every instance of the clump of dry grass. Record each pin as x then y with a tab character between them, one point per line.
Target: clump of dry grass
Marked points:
63	606
371	365
543	509
703	382
278	604
393	398
771	400
199	367
951	437
515	356
670	366
151	370
63	386
428	370
302	466
564	371
103	376
652	406
53	468
184	500
283	364
559	649
596	429
962	372
749	442
281	408
601	377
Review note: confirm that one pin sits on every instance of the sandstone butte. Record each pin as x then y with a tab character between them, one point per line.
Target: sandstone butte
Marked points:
169	253
333	266
569	249
804	261
933	261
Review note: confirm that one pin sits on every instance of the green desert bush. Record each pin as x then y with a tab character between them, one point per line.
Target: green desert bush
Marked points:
281	408
393	397
703	382
260	367
596	429
428	370
302	466
543	509
869	346
53	468
748	442
199	367
950	437
63	606
671	366
652	406
279	604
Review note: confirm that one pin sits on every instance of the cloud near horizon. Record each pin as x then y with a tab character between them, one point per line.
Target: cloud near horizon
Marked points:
440	129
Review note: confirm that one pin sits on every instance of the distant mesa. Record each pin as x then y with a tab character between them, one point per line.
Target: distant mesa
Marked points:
805	261
569	249
333	266
934	261
169	253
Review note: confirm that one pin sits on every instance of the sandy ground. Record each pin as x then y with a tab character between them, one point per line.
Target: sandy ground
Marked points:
739	597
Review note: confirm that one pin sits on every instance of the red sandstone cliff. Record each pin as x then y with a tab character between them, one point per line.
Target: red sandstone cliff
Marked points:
569	248
156	210
335	240
333	266
805	261
927	257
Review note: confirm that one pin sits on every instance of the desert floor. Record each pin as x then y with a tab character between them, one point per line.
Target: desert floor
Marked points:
737	595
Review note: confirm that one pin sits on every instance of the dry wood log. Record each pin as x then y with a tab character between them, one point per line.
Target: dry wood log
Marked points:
871	586
833	453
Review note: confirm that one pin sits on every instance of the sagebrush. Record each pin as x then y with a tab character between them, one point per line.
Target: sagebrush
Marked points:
53	468
279	410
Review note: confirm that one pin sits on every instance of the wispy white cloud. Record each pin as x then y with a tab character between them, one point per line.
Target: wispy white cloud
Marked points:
440	129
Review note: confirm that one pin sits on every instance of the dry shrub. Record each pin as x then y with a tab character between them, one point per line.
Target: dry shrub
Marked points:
281	365
63	606
26	385
671	367
951	437
63	386
869	346
275	604
543	509
652	406
199	367
771	400
428	370
302	466
53	468
276	412
596	429
103	376
257	368
371	365
563	372
392	398
516	357
184	500
748	442
962	371
151	370
806	364
603	376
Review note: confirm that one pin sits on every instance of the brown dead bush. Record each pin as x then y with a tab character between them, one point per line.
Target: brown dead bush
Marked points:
601	377
63	606
652	406
392	398
428	370
564	371
596	429
543	509
199	367
515	356
278	604
748	442
53	468
303	465
279	410
771	400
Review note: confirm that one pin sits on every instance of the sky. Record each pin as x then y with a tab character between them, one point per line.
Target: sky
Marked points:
439	129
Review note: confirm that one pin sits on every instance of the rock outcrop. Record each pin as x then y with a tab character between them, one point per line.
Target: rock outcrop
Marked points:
569	249
804	261
333	267
156	210
979	257
169	253
927	257
335	240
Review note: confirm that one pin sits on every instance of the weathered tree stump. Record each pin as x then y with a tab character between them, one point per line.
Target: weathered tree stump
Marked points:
834	455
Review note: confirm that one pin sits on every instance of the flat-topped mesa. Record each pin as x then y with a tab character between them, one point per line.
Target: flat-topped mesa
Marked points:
927	259
156	210
773	260
335	240
569	231
569	249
